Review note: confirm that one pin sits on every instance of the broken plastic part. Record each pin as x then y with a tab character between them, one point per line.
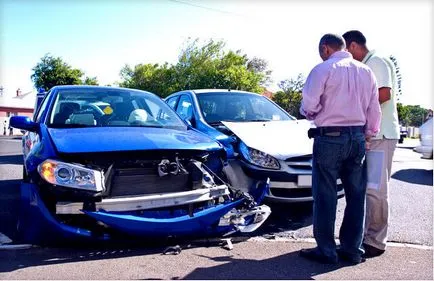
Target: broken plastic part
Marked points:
172	250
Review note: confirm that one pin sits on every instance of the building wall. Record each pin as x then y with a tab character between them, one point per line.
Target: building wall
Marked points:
6	112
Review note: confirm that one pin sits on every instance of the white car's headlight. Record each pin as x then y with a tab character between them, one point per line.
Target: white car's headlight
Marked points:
71	175
259	158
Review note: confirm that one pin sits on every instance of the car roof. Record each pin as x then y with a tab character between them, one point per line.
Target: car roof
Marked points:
223	91
71	87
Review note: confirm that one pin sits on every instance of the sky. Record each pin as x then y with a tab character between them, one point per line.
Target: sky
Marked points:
101	36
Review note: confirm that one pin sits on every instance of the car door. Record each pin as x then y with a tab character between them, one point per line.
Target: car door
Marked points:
185	108
172	102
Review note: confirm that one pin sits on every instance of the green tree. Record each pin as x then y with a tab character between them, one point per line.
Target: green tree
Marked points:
198	66
158	79
90	81
416	115
52	71
290	97
403	114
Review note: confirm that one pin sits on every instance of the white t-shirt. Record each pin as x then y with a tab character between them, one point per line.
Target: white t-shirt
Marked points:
385	73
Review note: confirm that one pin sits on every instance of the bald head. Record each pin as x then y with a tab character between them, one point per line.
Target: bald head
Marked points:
329	44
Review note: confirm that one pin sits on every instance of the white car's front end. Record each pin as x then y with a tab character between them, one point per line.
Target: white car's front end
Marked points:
280	151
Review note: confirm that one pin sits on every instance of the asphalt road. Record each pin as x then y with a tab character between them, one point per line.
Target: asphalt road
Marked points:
271	253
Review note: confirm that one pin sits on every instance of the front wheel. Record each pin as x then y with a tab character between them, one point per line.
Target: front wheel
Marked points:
25	175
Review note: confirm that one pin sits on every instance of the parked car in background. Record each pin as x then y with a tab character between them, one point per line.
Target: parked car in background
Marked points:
403	134
261	139
426	140
104	162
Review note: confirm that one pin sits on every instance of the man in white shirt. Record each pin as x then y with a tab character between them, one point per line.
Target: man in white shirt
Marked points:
377	200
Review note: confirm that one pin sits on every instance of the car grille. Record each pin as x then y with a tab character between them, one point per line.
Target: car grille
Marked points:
303	163
142	181
291	193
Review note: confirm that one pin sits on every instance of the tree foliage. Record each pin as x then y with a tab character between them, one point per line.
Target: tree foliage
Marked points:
90	81
198	66
52	71
289	98
411	115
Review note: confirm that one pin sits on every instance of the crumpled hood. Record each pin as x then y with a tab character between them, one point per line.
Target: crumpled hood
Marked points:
280	139
104	139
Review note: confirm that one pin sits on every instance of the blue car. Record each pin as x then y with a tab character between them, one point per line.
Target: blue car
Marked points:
262	140
108	163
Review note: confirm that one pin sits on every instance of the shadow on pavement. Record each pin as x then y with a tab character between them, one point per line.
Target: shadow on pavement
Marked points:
9	206
416	176
286	217
287	266
74	252
12	159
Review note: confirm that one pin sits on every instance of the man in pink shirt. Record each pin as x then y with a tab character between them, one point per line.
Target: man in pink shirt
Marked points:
341	97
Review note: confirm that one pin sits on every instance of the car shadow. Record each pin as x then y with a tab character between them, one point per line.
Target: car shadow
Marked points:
287	266
9	206
285	217
71	252
416	176
11	159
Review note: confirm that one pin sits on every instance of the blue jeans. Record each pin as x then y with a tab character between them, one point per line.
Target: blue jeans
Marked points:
339	157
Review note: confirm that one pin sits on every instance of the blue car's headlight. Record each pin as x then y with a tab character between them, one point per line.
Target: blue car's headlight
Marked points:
70	175
259	158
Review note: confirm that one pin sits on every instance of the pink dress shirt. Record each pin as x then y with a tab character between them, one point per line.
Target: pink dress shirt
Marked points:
342	92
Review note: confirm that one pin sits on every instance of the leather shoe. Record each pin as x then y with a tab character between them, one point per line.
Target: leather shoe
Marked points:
371	252
352	259
315	255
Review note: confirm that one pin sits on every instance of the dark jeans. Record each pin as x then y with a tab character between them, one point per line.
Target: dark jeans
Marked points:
339	157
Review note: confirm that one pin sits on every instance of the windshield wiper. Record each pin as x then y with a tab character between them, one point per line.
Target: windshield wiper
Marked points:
147	126
71	126
257	120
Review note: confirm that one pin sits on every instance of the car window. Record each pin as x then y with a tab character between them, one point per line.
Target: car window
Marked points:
185	109
40	111
239	107
102	107
172	102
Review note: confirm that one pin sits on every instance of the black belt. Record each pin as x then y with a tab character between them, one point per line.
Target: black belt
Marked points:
334	131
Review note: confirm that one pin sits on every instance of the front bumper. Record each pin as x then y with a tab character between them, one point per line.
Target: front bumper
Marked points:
425	150
287	185
38	225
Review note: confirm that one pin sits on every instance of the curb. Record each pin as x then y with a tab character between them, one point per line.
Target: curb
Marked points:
312	240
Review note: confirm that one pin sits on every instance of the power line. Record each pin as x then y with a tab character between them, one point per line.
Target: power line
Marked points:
206	8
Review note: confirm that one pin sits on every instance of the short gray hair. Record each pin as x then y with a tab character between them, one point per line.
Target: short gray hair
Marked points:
334	41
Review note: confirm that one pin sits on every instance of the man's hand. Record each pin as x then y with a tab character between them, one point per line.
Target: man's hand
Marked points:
368	142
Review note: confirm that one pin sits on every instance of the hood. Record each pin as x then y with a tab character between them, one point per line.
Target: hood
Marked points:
280	139
104	139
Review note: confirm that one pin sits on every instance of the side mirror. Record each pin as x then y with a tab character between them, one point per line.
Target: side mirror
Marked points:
23	123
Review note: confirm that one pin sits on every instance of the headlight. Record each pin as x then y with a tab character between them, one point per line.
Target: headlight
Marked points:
259	158
70	175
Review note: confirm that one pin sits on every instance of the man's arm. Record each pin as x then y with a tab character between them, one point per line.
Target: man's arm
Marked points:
312	91
383	75
384	94
373	114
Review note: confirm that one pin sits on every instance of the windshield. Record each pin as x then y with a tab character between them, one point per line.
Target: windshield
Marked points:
100	107
239	107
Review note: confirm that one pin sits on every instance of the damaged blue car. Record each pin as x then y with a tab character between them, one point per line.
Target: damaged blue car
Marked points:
105	163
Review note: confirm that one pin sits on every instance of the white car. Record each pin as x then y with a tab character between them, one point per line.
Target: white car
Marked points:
261	139
425	135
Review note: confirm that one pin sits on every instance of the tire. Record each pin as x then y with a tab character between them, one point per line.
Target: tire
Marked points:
25	175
